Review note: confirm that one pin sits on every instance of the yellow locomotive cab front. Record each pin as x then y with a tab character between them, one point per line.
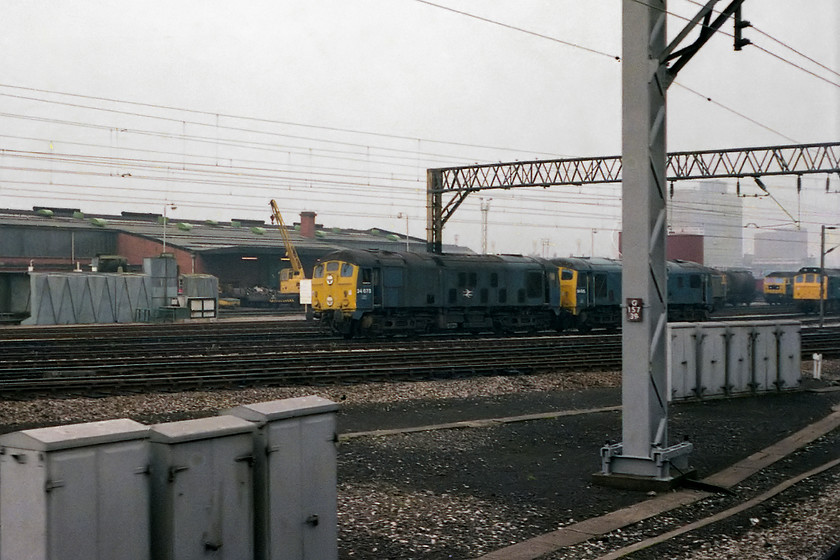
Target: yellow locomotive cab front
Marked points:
334	287
807	286
568	290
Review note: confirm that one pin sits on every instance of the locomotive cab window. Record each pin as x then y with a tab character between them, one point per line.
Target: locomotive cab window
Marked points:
318	272
332	266
346	270
566	274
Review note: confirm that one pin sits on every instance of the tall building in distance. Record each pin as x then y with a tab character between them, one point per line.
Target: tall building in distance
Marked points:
711	211
781	250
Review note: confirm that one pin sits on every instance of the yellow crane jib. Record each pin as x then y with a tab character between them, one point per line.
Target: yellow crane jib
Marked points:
289	277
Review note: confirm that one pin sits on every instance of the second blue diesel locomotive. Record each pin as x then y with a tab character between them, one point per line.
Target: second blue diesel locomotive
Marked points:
590	292
378	292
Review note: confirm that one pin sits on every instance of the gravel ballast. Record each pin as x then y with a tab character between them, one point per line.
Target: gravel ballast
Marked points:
461	493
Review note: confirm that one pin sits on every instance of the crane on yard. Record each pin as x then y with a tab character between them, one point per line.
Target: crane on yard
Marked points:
289	277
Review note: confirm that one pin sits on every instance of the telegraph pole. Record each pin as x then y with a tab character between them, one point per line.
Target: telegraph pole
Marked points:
823	275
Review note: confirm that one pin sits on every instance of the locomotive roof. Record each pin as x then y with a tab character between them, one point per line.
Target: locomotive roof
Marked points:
382	257
689	266
587	263
816	270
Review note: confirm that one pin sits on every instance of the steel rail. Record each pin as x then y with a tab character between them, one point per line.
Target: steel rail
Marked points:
184	364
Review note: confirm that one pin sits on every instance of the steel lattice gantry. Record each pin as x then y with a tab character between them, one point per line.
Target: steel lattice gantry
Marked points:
644	457
456	183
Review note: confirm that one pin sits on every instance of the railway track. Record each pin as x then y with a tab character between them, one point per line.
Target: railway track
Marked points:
130	358
181	365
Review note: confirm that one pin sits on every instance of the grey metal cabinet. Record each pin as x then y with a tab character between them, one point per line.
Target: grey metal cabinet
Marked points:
682	360
202	489
711	362
789	354
295	469
75	492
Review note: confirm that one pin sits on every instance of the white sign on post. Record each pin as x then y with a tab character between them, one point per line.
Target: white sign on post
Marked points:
306	292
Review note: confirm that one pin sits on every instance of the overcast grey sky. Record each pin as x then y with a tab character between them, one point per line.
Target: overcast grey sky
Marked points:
341	106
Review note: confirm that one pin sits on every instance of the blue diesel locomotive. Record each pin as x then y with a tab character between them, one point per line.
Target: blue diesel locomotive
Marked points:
358	292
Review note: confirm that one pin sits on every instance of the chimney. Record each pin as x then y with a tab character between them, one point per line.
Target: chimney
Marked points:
307	224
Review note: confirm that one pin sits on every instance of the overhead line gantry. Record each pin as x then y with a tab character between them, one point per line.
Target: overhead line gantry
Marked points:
460	182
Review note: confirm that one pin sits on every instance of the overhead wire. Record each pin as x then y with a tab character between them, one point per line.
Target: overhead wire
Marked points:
737	113
271	121
350	172
185	137
252	180
601	53
232	172
439	155
521	30
252	144
233	128
566	225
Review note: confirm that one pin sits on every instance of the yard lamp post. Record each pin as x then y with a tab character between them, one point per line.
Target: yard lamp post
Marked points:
485	209
405	215
165	206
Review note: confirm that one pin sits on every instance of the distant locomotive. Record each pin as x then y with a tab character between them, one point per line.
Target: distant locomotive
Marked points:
357	292
812	284
694	291
371	293
740	286
778	288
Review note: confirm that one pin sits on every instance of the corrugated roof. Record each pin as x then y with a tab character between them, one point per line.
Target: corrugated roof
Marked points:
207	236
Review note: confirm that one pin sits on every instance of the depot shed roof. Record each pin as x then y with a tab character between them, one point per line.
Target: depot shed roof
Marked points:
214	237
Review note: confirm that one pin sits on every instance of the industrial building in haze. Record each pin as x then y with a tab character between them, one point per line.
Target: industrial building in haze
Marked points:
245	255
781	250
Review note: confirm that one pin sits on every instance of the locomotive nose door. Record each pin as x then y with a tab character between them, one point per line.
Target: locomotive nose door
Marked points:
366	290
